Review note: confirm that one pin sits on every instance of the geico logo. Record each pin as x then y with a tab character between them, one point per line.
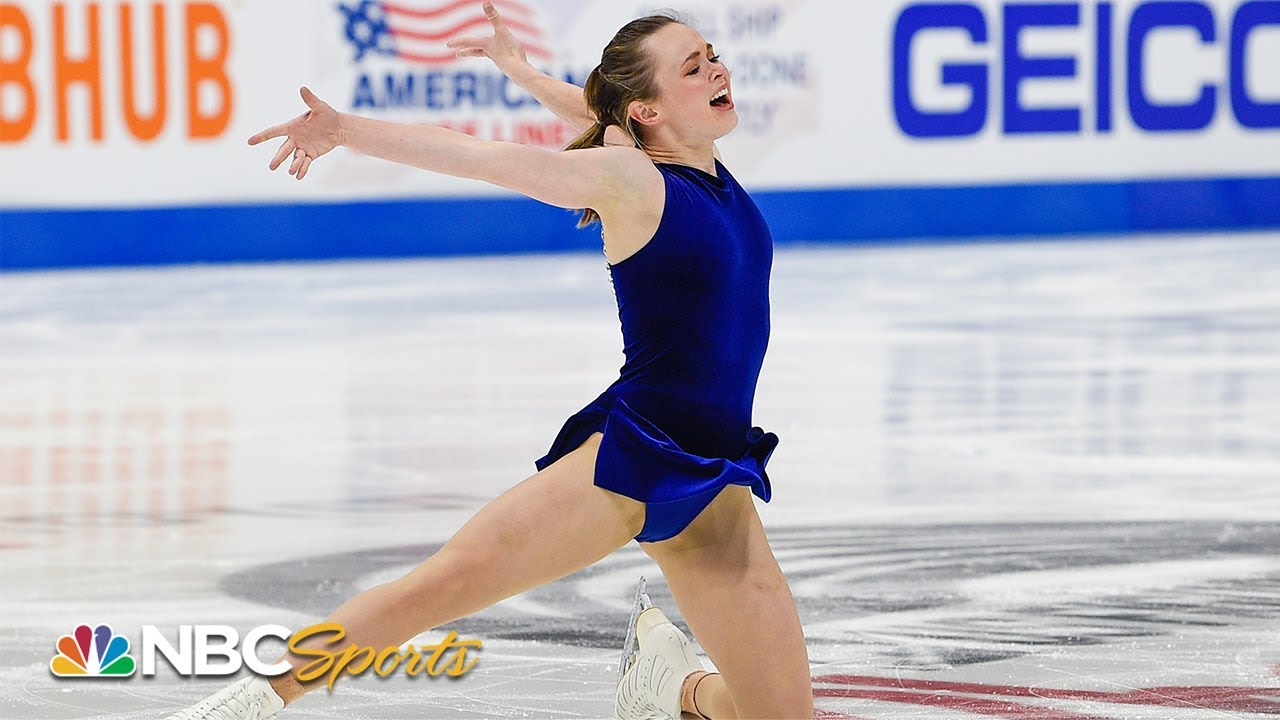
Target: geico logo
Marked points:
88	49
1108	47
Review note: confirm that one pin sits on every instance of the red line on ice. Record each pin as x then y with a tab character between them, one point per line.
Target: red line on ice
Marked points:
1265	701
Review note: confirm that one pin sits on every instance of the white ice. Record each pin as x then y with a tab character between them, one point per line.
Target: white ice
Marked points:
1041	470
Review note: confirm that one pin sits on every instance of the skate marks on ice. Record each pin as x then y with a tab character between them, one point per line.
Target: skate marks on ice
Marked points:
981	391
1048	620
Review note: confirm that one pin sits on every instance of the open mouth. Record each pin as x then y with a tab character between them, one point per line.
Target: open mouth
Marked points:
721	99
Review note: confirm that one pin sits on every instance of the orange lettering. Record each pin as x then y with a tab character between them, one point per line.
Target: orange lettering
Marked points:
13	71
67	72
143	127
210	69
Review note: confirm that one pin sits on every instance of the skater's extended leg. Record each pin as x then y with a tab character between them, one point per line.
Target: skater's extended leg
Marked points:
548	526
735	599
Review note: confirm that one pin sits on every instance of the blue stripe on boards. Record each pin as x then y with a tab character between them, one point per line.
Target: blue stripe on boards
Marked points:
40	238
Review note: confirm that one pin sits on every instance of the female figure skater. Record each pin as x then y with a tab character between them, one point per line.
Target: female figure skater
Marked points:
667	454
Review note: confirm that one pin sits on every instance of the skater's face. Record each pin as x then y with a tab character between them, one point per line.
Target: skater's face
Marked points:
694	98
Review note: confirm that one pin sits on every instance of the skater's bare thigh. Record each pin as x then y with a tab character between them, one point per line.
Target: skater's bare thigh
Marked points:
730	590
552	523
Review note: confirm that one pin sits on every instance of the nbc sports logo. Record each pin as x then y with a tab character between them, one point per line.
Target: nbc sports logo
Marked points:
92	652
216	651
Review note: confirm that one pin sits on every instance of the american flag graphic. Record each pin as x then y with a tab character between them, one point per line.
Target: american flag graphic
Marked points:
417	32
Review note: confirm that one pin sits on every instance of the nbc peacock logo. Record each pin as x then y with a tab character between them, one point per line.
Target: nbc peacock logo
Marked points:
92	653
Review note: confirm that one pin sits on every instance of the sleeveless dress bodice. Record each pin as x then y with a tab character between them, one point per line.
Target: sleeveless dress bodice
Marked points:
693	303
694	307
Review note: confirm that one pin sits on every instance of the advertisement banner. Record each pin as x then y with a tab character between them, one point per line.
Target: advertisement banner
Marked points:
132	105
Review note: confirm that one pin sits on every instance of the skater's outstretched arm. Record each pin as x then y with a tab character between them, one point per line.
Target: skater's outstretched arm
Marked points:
597	178
562	98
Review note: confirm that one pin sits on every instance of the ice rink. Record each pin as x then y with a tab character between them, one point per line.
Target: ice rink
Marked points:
1015	480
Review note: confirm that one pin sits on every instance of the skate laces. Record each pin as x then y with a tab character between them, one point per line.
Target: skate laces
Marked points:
636	695
233	703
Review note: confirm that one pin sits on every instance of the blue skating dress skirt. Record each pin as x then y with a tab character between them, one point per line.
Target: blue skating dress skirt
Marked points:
693	303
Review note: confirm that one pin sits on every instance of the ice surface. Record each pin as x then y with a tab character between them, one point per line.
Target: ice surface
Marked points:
1015	480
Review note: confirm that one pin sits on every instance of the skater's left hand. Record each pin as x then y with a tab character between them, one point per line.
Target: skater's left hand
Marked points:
502	47
307	137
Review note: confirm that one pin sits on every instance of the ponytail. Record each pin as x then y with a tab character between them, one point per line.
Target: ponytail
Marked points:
624	75
594	136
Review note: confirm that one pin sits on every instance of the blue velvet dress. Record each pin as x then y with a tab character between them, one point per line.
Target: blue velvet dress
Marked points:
694	308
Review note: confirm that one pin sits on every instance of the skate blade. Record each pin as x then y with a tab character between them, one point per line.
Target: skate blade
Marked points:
641	604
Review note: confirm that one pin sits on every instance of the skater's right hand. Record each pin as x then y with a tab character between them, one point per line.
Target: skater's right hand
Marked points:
308	136
502	47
